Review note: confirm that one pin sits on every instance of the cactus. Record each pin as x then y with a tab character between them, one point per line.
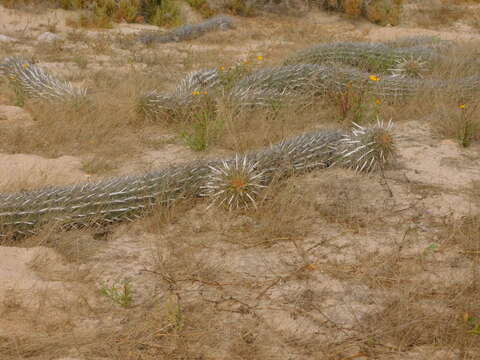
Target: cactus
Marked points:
282	83
264	86
286	82
366	148
189	32
297	81
234	181
419	41
117	199
411	66
154	103
32	81
371	57
200	80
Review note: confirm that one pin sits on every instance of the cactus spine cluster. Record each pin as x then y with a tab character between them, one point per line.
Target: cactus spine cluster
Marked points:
234	182
366	148
29	80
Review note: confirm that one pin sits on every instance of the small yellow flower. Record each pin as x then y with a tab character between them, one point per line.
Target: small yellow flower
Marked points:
205	93
222	68
462	106
13	77
374	78
260	57
246	62
195	93
26	66
378	102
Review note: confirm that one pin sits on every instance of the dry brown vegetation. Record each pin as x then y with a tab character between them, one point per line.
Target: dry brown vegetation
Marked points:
331	265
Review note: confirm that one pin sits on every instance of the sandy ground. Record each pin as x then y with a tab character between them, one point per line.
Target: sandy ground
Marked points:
50	294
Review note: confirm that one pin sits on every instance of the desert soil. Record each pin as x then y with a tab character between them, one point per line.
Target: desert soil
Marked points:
352	249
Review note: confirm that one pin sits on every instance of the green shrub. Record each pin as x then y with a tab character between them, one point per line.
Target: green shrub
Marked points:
166	14
102	13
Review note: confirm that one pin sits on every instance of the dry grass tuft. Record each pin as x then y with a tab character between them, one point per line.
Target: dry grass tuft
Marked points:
331	265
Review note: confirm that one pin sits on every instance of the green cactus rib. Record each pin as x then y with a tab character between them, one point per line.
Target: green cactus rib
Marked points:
126	198
370	57
32	81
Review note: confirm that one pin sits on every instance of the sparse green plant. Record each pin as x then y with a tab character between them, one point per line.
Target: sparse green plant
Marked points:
166	14
355	104
229	77
431	248
122	294
174	315
468	125
474	324
81	61
205	126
